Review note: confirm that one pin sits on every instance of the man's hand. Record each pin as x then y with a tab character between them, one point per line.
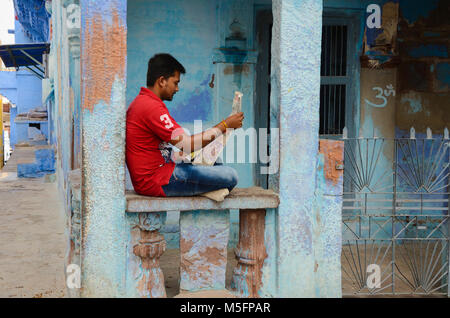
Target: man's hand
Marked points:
189	144
235	121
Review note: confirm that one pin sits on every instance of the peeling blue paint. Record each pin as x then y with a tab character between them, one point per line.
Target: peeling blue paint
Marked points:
104	225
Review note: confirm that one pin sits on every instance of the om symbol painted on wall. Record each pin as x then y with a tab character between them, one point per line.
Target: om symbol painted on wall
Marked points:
382	94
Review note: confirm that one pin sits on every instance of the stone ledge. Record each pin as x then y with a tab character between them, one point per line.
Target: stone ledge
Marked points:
239	198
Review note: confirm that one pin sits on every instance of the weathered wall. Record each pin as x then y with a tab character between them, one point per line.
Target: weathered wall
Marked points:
423	99
408	53
296	45
103	73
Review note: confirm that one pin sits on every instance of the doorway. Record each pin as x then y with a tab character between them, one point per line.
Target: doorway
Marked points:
263	36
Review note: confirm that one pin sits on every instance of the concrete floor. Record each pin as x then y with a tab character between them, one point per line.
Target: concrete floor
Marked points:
31	234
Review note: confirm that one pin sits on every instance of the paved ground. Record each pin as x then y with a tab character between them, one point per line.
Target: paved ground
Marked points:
31	234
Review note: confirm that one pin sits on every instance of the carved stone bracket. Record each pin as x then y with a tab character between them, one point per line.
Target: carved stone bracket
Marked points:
250	253
149	249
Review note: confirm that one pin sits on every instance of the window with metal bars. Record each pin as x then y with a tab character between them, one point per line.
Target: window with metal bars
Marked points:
334	78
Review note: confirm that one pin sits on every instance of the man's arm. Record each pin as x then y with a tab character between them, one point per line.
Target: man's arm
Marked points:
195	142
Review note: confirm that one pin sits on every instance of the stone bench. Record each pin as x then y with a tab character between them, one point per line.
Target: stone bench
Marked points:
204	231
239	198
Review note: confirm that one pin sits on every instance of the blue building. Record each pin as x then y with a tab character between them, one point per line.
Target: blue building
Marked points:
24	87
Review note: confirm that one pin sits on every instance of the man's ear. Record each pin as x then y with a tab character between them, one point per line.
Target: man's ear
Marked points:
162	81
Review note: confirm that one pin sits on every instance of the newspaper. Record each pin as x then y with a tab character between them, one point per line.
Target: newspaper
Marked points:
209	154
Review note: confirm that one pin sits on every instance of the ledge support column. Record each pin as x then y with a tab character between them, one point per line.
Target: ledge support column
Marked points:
149	247
250	253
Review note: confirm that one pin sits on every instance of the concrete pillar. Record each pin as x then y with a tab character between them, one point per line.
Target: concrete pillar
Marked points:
103	84
296	52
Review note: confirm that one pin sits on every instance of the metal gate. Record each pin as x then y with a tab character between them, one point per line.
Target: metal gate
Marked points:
395	216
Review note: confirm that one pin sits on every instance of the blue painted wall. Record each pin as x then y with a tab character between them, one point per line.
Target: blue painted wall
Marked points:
8	86
187	30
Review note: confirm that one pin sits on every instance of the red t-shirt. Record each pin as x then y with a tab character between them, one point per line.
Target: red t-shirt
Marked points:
148	153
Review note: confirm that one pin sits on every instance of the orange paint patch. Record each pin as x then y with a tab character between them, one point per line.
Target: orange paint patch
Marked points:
333	152
103	57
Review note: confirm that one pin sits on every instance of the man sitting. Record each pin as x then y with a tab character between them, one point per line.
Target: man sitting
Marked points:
150	132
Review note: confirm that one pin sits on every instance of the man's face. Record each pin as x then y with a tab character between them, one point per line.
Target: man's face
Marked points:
170	86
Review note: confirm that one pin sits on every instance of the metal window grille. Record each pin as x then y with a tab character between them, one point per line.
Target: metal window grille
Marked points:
333	71
395	216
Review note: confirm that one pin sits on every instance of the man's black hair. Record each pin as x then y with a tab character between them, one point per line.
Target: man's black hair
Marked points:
162	64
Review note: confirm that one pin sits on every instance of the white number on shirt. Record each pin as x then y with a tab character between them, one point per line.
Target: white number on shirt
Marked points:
165	119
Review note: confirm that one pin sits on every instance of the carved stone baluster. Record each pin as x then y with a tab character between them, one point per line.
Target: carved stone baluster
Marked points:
250	253
149	249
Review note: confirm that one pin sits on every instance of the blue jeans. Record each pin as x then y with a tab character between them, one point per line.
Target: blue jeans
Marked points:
189	180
